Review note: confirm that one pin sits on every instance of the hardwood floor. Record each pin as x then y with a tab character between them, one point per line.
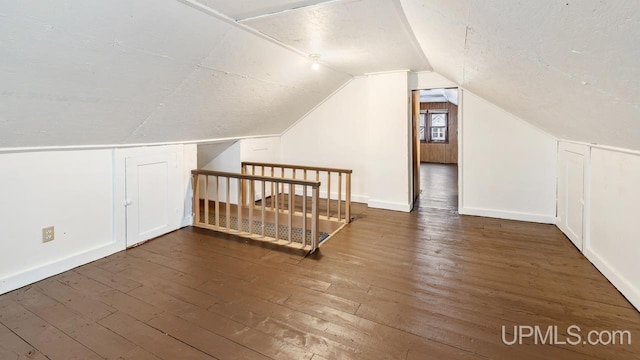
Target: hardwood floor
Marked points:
438	186
429	284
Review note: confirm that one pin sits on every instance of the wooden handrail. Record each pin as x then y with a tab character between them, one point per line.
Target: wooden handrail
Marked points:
248	223
297	167
255	177
294	171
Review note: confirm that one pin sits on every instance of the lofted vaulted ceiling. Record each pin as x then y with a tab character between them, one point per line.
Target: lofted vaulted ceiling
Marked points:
569	67
89	72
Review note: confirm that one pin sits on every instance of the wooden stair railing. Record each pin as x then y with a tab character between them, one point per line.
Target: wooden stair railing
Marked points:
217	207
303	172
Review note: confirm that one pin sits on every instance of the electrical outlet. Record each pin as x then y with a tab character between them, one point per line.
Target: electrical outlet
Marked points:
48	234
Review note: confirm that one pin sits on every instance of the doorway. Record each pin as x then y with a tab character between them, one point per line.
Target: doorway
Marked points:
436	146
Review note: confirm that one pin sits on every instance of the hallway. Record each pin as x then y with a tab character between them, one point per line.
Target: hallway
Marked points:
438	186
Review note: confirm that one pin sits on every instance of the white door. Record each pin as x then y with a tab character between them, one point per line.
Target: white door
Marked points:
572	162
152	196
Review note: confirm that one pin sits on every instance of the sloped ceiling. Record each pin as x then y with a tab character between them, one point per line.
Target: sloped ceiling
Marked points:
90	72
95	72
352	36
569	67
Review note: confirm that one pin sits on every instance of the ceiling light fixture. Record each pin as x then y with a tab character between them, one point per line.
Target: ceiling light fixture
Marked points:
315	65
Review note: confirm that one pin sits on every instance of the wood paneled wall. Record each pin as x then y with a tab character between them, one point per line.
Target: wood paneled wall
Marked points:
446	153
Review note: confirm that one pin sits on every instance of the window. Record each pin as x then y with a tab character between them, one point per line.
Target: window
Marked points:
438	126
423	127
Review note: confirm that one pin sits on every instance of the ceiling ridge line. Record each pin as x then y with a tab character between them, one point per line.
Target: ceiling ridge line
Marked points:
220	16
285	11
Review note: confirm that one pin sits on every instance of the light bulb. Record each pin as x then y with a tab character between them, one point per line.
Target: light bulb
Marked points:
315	65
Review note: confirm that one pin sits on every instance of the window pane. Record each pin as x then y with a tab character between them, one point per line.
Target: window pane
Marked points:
423	134
423	122
438	119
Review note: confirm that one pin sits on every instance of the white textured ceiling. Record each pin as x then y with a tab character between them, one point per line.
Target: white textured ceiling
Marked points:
353	36
569	67
242	9
89	72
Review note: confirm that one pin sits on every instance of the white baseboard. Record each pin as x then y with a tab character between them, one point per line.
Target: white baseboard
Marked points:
508	215
631	292
388	205
30	276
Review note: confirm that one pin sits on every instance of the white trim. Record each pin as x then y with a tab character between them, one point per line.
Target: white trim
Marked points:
40	272
286	11
389	205
387	72
603	147
509	215
628	290
460	148
315	107
124	146
187	221
231	21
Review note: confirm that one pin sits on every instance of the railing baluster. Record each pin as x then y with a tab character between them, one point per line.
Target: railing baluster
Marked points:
339	195
253	187
314	219
252	196
206	200
347	205
273	190
264	210
240	202
277	219
196	199
282	189
228	207
291	191
241	185
328	194
217	208
304	215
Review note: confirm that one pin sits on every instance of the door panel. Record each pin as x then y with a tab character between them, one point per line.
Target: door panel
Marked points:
575	194
152	192
572	162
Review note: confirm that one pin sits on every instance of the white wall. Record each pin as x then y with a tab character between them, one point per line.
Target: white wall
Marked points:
77	192
612	242
364	127
260	149
509	166
70	190
334	135
230	160
388	139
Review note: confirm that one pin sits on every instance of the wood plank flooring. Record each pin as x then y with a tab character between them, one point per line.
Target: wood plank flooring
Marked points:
425	285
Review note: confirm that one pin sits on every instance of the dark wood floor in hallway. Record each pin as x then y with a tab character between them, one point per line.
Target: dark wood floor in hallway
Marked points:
425	285
438	186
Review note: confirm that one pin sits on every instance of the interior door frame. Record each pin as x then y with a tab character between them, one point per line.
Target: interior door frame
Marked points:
459	134
119	184
585	152
415	145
